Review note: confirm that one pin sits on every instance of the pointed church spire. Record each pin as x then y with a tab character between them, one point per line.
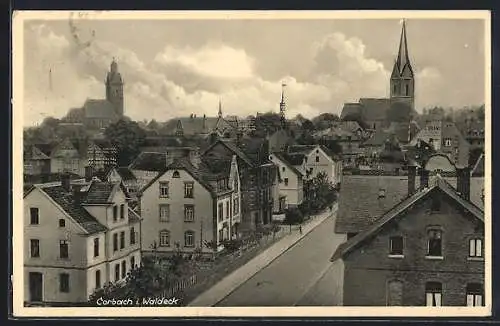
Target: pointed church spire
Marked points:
403	57
220	108
283	105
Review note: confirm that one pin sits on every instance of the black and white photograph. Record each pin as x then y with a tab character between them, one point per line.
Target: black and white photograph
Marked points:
259	163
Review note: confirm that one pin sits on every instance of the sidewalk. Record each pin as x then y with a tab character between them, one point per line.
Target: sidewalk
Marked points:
231	282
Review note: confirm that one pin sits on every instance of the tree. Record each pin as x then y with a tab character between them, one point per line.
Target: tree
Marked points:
324	120
320	193
293	216
127	136
153	125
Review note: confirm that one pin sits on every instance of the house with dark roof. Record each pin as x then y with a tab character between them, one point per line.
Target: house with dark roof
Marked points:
192	205
101	154
78	237
421	239
291	181
70	155
35	160
257	173
349	141
316	159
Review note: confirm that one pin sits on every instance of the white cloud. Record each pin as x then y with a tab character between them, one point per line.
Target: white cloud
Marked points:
184	80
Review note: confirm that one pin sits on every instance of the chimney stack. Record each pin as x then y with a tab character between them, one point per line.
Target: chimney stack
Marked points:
463	182
77	194
412	174
89	173
424	178
66	181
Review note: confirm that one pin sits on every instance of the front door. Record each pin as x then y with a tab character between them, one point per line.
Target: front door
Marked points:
36	287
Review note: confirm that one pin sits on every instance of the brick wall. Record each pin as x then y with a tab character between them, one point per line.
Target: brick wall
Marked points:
454	271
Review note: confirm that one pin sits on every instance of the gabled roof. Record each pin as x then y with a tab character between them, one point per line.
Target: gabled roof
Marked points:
374	108
399	209
350	109
101	192
233	148
125	173
283	157
359	202
478	169
99	109
66	201
301	149
31	152
149	161
191	125
377	139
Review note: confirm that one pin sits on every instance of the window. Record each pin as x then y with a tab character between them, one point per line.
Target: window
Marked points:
62	223
189	239
164	189
35	248
117	272
286	181
132	262
396	245
164	238
221	235
235	206
188	190
475	248
221	212
474	295
434	243
115	242
447	142
96	247
394	90
132	236
228	209
188	213
124	268
176	174
317	158
63	249
164	213
34	217
283	169
115	213
97	279
407	90
433	294
64	282
122	240
394	293
122	211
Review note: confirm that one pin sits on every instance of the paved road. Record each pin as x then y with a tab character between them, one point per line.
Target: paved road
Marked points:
303	275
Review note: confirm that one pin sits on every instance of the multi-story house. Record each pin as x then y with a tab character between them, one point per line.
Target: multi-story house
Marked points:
101	154
69	156
257	177
349	142
316	159
126	177
77	237
291	181
444	137
421	240
192	203
35	160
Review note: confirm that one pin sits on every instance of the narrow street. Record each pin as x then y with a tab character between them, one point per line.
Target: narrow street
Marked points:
303	275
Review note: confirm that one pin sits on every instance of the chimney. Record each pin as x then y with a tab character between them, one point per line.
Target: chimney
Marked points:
412	174
89	173
77	194
66	181
463	182
169	158
204	122
424	178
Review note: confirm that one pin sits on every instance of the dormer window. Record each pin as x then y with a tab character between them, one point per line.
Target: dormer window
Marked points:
176	174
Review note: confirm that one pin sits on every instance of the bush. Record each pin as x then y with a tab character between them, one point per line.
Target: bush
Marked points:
293	216
232	245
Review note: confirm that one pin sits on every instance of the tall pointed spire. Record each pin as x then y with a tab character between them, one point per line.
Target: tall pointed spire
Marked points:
282	103
403	57
220	108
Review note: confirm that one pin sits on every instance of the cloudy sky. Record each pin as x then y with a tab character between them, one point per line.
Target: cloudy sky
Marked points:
176	67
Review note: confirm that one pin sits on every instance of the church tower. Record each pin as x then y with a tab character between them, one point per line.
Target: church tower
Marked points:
283	106
402	79
114	88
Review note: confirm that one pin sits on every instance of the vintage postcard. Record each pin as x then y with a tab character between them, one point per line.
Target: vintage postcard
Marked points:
262	163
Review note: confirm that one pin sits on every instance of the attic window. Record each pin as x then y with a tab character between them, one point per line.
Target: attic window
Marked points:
176	174
381	193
